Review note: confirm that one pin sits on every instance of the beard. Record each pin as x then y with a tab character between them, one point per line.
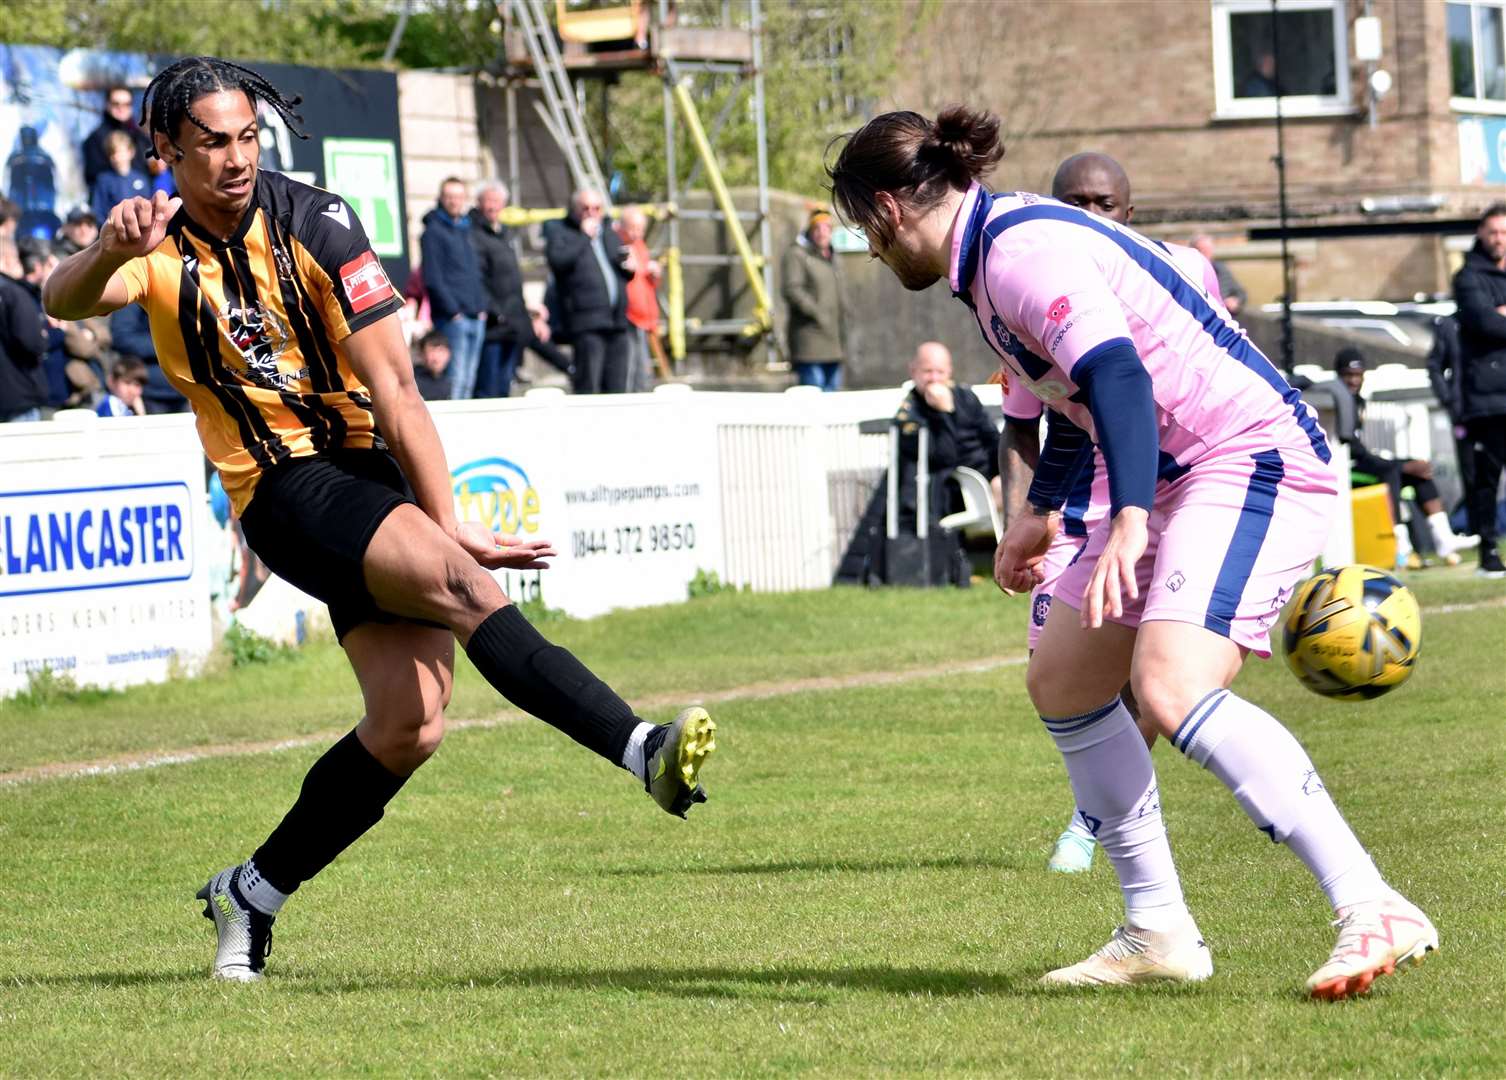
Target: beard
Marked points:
911	273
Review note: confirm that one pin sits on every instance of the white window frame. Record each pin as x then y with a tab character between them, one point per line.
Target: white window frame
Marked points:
1229	107
1486	106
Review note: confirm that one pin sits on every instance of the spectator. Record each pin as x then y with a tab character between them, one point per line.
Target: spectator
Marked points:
127	382
961	432
79	229
1233	292
813	289
590	279
1368	467
123	180
23	346
416	317
452	279
131	336
642	297
508	323
431	371
1261	81
37	264
119	117
1480	292
10	218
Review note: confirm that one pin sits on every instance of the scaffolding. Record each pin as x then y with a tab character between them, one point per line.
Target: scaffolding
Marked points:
583	44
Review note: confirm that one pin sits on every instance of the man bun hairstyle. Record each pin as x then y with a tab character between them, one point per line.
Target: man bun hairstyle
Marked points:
915	160
168	98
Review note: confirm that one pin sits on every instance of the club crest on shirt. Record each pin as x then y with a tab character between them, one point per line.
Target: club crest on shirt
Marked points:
1002	334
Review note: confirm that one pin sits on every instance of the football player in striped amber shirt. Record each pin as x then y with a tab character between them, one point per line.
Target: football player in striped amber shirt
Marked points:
273	316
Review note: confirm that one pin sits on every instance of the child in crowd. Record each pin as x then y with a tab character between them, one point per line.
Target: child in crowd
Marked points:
431	367
123	181
127	379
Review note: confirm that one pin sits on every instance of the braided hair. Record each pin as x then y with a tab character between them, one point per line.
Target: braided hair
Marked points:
166	103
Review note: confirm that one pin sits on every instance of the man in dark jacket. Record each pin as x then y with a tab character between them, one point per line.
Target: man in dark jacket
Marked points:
452	276
23	347
813	289
591	273
1480	292
508	325
119	116
960	431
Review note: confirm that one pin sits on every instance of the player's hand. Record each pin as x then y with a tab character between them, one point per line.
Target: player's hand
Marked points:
1422	470
1113	577
499	551
136	226
1017	560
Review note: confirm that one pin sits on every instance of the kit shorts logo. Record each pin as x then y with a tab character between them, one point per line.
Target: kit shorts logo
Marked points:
1176	581
1040	607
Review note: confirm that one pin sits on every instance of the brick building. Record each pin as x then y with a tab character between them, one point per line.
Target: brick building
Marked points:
1383	188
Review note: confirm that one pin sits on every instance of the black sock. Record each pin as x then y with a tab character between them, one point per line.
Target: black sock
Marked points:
343	795
547	681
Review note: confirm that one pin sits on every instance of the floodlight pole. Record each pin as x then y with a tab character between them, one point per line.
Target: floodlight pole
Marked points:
1288	351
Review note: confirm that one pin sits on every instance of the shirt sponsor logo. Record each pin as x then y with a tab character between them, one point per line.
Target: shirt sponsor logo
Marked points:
365	282
261	338
1060	308
68	539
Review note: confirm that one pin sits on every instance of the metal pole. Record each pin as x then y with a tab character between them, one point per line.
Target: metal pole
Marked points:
1288	357
514	156
765	241
676	283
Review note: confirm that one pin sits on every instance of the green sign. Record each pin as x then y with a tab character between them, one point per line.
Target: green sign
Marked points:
364	173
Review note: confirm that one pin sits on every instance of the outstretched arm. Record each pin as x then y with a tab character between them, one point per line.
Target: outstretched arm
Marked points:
89	283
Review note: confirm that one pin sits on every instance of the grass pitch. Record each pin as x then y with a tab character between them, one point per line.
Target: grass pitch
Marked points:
864	893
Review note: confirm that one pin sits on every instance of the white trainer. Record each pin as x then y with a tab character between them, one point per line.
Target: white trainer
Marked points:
1373	939
1134	956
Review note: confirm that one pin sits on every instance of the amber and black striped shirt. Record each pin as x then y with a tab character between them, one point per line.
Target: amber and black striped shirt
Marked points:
250	329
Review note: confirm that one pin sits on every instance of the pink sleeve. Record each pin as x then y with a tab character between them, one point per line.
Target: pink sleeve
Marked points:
1210	279
1060	298
1019	403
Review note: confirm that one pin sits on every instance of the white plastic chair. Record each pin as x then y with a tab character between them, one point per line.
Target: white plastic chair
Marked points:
978	507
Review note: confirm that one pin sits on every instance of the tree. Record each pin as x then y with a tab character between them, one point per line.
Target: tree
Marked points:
825	68
321	33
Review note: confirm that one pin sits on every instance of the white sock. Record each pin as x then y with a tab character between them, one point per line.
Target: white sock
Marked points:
258	892
1119	804
632	754
1078	827
1403	540
1276	785
1443	533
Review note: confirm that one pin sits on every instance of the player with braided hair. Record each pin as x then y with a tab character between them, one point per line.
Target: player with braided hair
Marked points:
272	315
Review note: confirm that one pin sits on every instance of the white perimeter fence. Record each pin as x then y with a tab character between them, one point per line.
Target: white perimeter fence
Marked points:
114	569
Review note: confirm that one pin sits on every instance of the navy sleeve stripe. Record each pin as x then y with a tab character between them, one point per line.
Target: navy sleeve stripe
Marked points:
1089	361
1066	452
1124	414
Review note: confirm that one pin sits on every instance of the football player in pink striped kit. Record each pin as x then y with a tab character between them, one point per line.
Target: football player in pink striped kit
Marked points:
1220	493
